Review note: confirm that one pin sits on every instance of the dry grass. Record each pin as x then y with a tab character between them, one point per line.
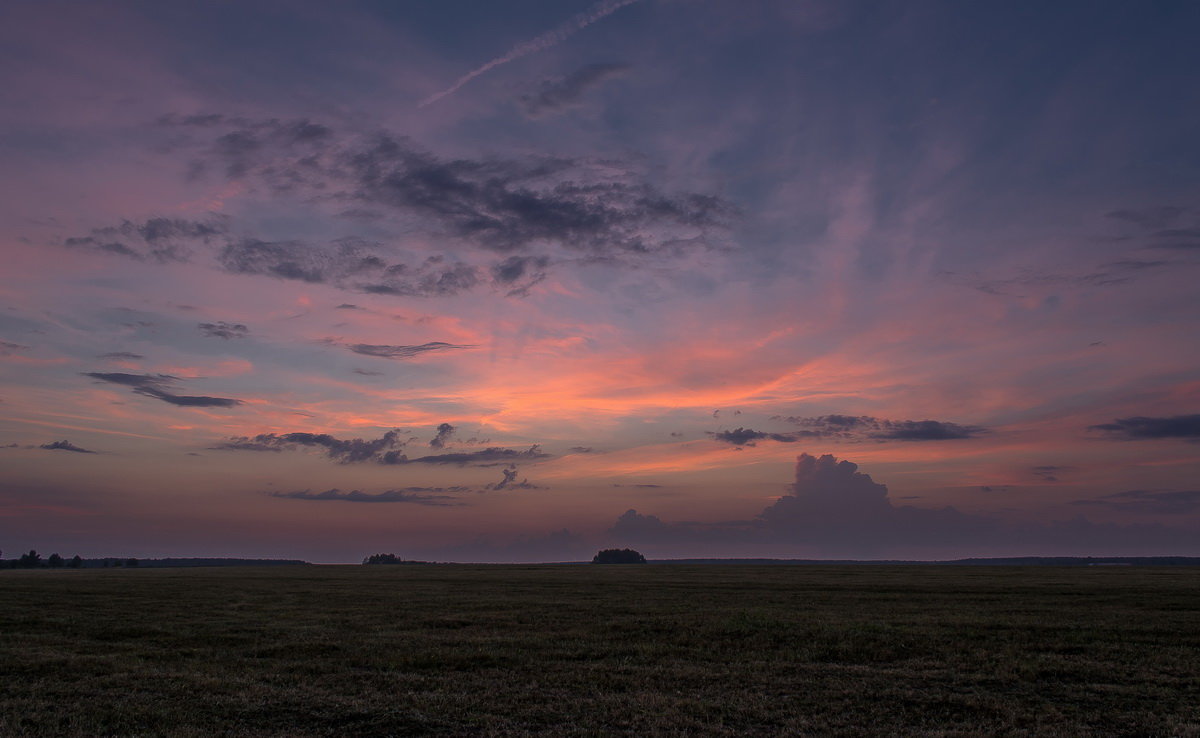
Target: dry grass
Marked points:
586	650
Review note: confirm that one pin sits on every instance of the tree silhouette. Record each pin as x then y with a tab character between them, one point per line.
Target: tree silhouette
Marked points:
55	561
30	560
618	556
75	562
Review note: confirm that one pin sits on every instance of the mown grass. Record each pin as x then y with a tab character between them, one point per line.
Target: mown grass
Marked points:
591	650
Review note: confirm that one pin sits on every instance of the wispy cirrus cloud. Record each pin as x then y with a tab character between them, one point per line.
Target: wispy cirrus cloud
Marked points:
538	43
1157	501
556	95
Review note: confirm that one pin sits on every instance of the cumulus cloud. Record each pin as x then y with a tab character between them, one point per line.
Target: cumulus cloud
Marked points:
1140	428
557	95
160	387
224	330
65	445
835	510
414	495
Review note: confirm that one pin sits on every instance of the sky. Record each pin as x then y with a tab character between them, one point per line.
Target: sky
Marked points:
479	281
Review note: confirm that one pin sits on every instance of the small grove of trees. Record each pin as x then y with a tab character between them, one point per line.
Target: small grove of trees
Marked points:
33	560
618	556
389	559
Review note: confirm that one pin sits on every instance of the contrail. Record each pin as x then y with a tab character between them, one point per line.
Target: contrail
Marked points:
545	41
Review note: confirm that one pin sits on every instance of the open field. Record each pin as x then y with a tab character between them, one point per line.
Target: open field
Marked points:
586	650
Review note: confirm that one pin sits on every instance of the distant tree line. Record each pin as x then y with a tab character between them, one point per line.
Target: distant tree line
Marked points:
389	559
34	560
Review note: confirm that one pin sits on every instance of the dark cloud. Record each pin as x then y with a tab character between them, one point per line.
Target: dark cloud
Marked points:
493	456
522	207
121	355
366	373
924	430
557	95
383	450
160	386
1108	274
350	264
511	205
65	445
1152	217
865	427
249	144
581	449
1050	472
221	329
518	274
1159	502
157	239
415	495
348	306
506	205
343	451
509	481
445	432
8	347
747	437
403	352
1143	428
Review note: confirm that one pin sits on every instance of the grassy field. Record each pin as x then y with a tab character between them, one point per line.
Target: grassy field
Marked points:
587	650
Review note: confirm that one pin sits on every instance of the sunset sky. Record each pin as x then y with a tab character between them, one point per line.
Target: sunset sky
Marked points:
514	281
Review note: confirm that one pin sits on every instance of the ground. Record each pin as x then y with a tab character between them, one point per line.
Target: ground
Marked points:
600	650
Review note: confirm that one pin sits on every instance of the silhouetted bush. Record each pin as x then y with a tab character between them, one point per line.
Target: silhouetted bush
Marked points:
55	561
30	560
618	556
76	562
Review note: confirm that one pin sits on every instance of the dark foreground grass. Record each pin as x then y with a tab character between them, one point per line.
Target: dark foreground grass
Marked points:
587	650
